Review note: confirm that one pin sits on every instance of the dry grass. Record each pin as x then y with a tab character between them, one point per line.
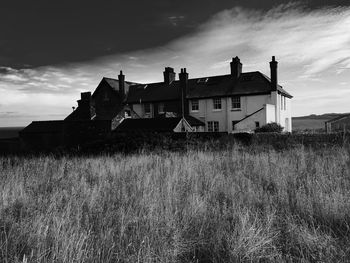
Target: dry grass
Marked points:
216	206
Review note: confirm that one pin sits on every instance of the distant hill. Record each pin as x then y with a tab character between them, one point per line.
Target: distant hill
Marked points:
313	121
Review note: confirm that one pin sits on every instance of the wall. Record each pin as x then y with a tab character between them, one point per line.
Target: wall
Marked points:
282	114
249	123
107	102
169	106
270	113
225	116
286	115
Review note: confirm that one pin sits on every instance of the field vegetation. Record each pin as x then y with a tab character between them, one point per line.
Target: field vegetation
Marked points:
236	204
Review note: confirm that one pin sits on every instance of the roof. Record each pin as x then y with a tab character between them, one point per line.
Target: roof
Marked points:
159	91
60	126
149	124
193	121
249	83
338	118
280	88
155	124
43	127
114	83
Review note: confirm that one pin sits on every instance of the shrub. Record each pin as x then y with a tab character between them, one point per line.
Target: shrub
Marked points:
270	127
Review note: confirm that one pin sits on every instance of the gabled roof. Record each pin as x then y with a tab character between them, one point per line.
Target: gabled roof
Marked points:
113	83
249	83
194	121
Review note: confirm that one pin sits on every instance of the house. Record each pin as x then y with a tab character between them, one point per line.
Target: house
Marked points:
234	102
106	103
339	124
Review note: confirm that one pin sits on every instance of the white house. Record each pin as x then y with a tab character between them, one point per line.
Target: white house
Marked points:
228	103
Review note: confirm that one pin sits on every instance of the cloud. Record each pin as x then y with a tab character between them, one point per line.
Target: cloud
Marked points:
175	20
312	47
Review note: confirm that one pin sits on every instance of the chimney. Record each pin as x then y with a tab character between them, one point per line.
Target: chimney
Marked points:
273	67
169	75
236	67
121	80
184	86
84	105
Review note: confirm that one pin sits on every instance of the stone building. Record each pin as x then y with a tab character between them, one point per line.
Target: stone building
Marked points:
339	124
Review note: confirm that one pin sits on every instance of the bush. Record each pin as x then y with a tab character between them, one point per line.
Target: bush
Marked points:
270	127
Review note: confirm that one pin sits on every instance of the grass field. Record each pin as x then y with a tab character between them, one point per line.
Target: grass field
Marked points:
308	124
231	205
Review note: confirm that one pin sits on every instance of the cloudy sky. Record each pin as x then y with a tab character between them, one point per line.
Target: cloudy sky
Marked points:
50	51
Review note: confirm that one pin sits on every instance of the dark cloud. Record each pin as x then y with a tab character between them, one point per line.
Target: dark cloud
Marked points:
36	33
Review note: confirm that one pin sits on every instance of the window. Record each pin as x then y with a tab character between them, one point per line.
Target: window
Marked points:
281	102
257	124
127	114
236	102
233	124
161	108
194	105
147	108
213	126
285	105
217	104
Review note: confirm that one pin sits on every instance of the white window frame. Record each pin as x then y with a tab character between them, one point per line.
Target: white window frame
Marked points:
236	102
216	103
195	104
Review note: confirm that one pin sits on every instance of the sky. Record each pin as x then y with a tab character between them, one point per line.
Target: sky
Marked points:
50	51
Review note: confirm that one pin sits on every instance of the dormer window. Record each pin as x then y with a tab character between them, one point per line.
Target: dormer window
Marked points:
202	80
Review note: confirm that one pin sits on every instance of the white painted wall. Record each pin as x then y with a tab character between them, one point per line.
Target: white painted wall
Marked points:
225	116
270	113
286	116
249	123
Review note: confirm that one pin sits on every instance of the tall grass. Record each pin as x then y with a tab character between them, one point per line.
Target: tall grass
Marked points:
216	206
